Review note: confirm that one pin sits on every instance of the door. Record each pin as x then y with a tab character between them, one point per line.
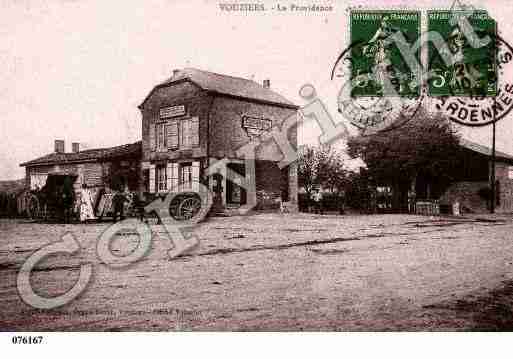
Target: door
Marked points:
235	194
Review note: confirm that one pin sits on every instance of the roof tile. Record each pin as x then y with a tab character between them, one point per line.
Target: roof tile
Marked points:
87	155
229	85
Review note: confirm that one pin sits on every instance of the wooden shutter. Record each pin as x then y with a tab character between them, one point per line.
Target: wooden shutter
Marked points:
194	132
152	179
153	142
174	176
169	176
172	134
184	134
195	176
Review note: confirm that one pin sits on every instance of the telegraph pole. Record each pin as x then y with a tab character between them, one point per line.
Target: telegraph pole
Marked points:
492	167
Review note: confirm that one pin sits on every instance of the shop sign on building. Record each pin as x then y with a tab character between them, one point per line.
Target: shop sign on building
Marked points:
172	111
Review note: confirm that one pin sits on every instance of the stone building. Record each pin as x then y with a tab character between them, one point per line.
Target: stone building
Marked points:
196	118
112	167
189	122
472	188
468	183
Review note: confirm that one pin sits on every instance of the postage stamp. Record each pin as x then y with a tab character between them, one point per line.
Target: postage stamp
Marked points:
481	110
472	70
376	60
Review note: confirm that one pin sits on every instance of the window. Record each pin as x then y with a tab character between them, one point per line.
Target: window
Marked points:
189	133
161	136
183	134
186	175
161	178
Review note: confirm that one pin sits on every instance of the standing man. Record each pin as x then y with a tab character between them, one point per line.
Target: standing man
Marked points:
118	201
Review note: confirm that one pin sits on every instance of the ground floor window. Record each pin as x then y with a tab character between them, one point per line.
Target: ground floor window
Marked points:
161	178
186	175
167	176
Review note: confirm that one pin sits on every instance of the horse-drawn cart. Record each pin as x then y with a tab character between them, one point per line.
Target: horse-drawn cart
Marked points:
182	207
53	201
56	200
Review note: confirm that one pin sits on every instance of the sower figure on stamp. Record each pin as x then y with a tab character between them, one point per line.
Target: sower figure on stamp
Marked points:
118	202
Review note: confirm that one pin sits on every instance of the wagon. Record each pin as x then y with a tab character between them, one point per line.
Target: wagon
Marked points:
182	207
185	206
53	201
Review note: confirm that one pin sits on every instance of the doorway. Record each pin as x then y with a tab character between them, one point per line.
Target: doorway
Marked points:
235	194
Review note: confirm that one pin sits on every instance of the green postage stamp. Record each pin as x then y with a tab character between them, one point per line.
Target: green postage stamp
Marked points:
472	70
377	67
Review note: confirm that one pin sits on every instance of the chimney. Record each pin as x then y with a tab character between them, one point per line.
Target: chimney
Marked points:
176	72
59	146
75	147
267	83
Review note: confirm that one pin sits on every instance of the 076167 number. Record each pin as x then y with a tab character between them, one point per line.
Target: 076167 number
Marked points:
27	339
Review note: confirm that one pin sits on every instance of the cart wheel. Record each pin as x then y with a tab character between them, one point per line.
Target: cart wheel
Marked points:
33	209
189	207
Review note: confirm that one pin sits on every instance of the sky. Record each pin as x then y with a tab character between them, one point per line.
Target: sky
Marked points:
77	69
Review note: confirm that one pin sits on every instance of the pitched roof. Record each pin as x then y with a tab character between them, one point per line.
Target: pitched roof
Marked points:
487	151
227	85
131	149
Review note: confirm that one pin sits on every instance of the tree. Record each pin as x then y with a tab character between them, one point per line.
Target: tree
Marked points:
425	146
321	166
307	168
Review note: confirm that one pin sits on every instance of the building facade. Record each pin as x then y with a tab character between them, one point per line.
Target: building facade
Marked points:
190	122
472	187
197	118
112	167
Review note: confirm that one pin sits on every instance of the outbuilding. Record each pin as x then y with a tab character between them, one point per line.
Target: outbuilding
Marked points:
112	167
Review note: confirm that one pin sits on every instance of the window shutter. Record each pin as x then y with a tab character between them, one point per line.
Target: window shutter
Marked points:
184	134
174	176
152	179
194	132
195	176
169	176
153	142
172	135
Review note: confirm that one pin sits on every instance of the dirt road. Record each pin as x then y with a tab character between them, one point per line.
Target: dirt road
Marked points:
276	272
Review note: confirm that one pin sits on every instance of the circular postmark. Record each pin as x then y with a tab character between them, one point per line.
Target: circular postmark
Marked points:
384	111
476	109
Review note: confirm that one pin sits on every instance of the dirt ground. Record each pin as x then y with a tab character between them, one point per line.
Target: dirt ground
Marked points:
275	272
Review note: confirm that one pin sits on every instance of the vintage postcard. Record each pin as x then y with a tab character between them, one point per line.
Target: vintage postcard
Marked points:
227	166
